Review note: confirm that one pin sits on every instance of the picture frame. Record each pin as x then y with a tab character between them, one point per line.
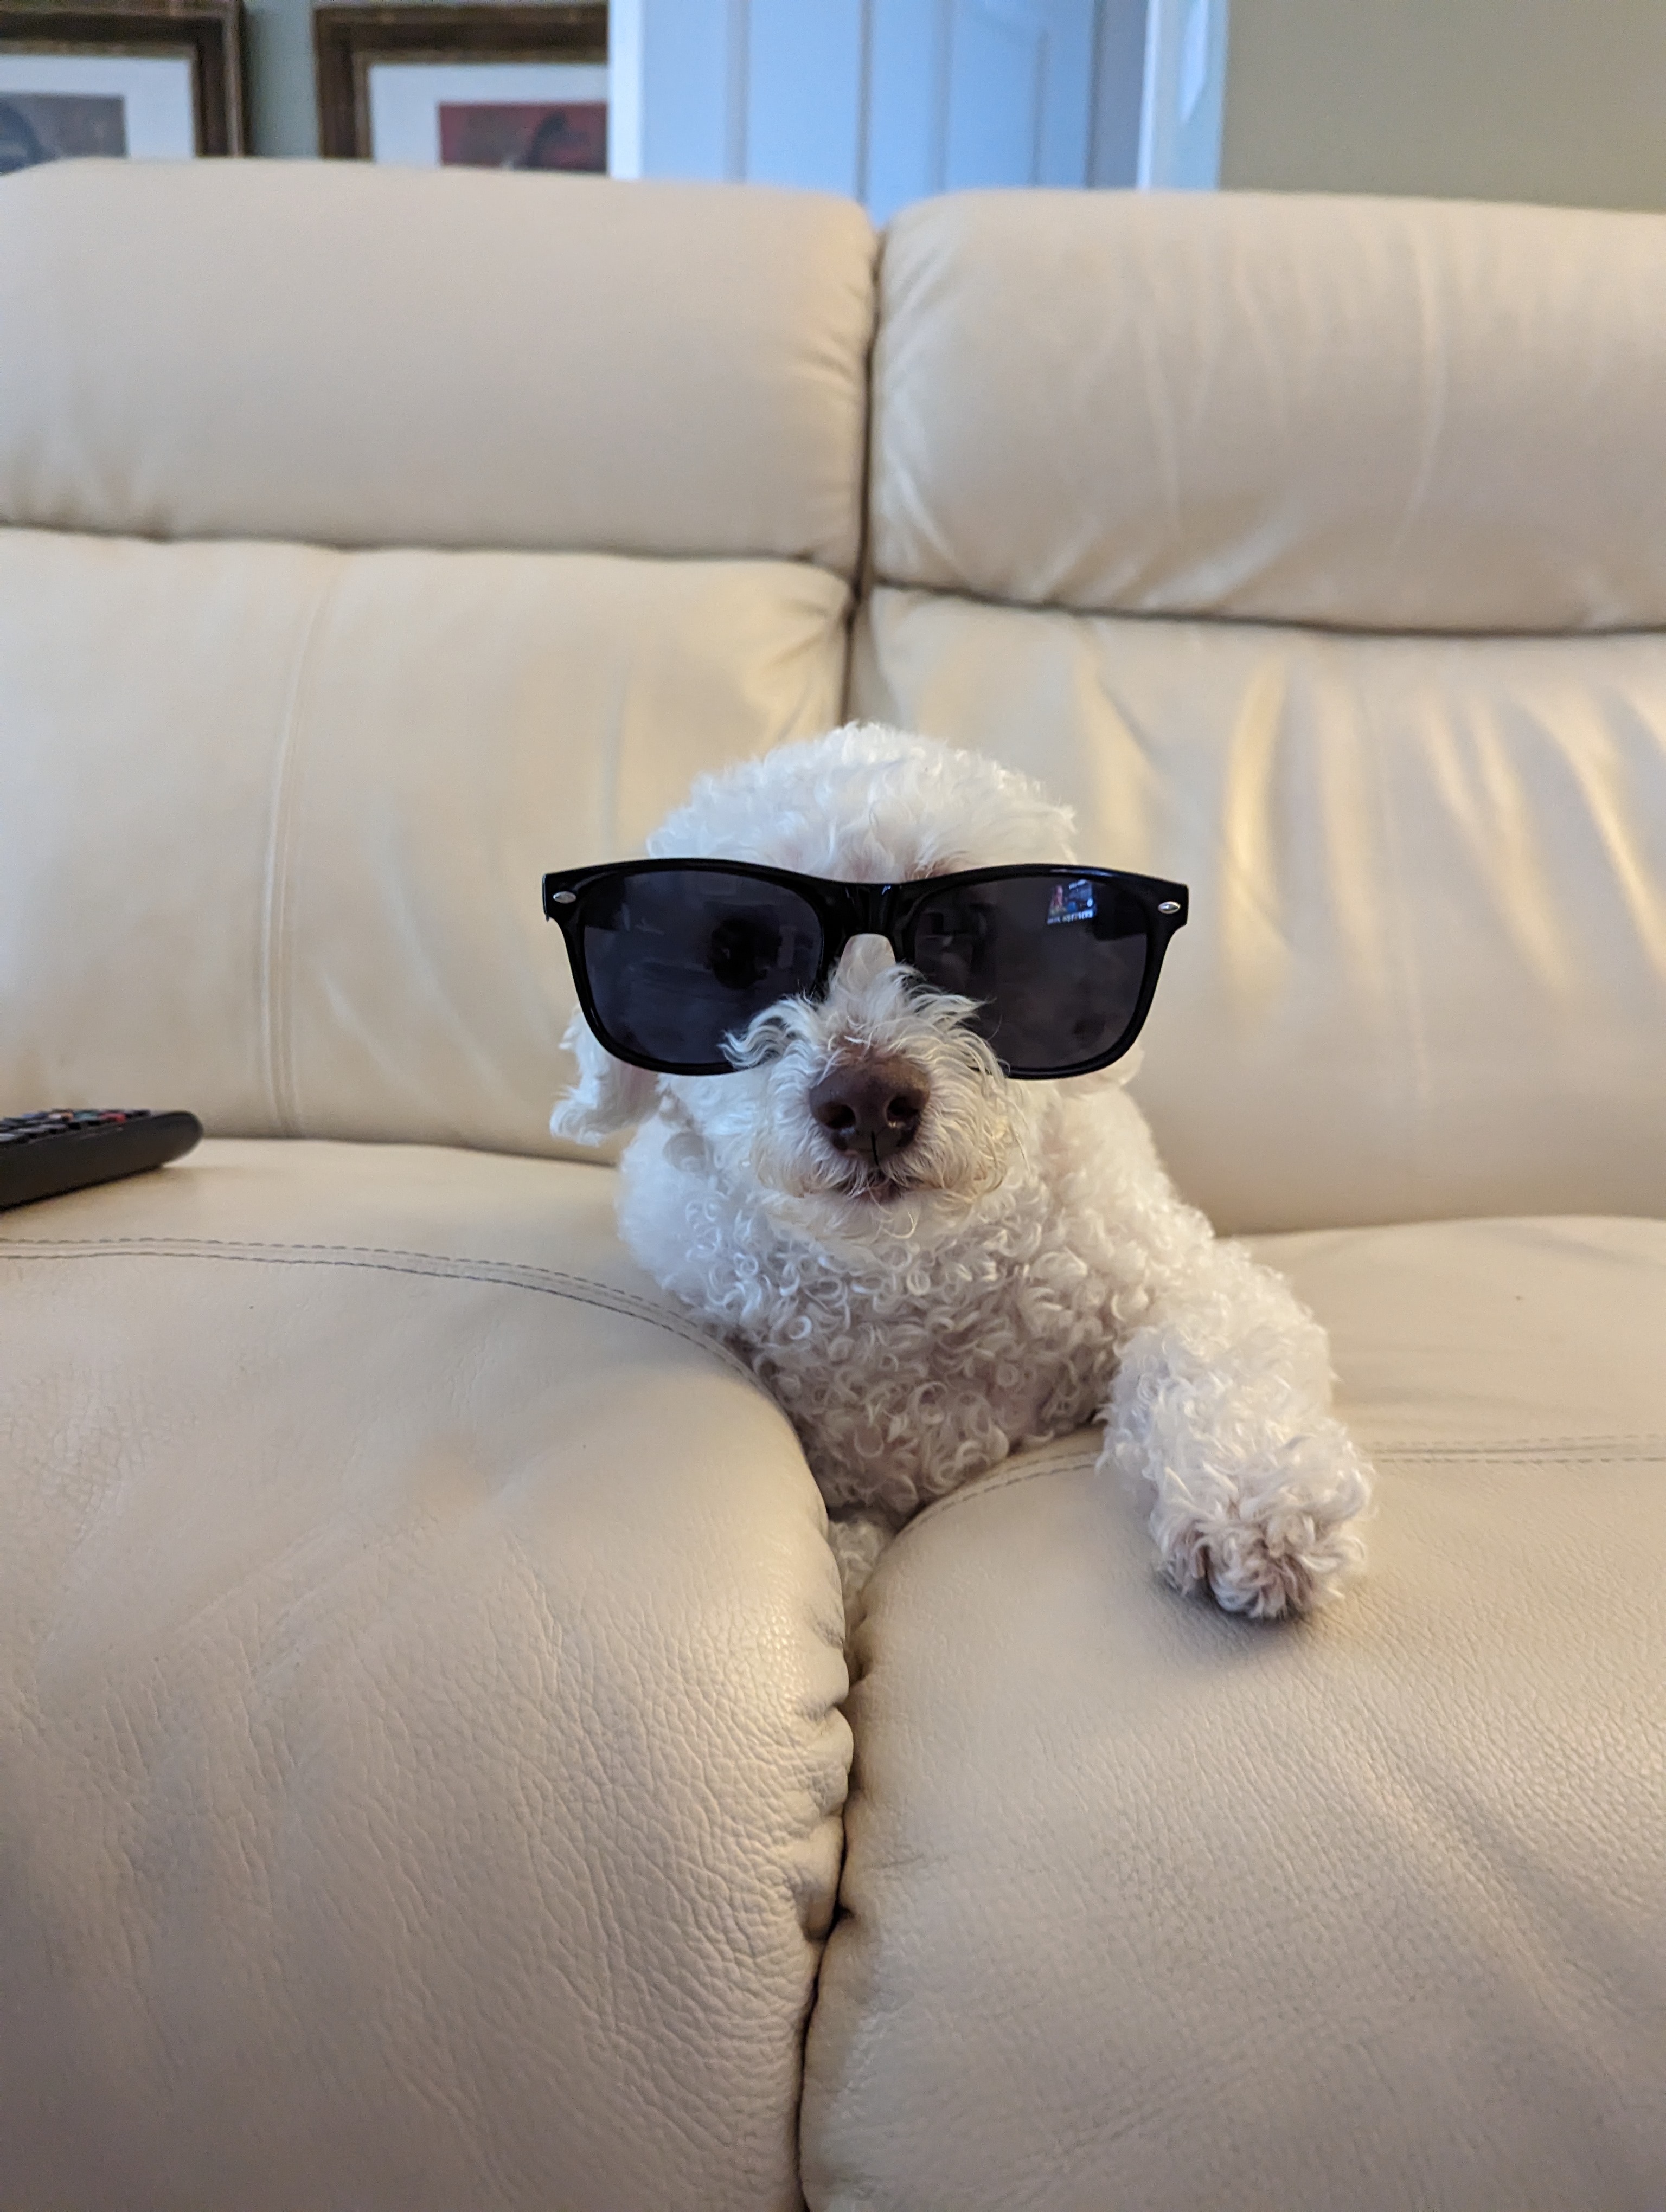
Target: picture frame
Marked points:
146	79
483	85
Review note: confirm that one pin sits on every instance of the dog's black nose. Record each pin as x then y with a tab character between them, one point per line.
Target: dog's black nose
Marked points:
871	1106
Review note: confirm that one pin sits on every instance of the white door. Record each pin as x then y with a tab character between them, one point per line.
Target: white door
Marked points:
888	101
978	91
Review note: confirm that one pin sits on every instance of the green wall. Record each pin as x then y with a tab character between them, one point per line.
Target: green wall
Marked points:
282	118
1562	101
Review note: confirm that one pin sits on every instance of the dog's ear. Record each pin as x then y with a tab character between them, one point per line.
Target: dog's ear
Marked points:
609	1096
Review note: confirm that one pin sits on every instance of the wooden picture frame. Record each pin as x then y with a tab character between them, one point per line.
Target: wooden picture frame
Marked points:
49	48
349	42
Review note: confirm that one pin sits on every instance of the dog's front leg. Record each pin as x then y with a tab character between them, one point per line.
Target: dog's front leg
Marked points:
1220	1405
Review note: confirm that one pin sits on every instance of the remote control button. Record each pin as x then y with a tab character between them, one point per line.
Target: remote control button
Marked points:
68	1121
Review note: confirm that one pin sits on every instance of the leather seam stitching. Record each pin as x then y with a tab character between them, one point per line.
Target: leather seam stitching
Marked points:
940	588
1576	1451
1573	1454
445	1266
1073	1462
1510	1446
1404	964
276	1039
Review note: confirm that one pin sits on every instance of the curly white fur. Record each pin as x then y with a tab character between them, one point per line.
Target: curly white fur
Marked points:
1023	1265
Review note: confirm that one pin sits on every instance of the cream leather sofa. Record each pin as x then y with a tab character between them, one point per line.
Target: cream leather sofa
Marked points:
426	1747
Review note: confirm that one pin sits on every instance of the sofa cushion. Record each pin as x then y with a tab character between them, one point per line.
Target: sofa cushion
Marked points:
385	356
1144	1905
275	817
419	1661
1378	414
1424	972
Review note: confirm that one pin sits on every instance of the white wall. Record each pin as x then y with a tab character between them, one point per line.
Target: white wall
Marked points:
1183	93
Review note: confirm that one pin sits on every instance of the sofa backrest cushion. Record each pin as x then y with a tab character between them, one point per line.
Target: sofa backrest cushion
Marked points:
356	356
1375	414
274	814
1425	970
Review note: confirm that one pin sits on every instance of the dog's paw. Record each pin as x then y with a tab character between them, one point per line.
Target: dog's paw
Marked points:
1290	1562
1261	1517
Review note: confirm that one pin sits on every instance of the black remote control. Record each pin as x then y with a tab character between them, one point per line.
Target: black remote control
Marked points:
43	1155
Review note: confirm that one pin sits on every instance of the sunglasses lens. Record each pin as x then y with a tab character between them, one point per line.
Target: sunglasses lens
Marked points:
1056	959
678	960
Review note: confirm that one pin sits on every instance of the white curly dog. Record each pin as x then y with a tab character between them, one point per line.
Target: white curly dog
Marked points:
1020	1266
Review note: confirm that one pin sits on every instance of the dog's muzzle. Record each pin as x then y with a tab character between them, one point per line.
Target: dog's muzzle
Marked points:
870	1110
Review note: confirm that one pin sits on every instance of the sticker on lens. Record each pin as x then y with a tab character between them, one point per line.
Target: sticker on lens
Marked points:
1071	902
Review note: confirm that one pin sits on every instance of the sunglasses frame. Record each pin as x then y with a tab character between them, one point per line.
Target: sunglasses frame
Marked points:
848	910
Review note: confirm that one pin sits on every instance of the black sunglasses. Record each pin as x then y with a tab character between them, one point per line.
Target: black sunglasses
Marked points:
672	958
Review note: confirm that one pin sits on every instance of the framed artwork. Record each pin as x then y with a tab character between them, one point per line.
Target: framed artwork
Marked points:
149	79
477	85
